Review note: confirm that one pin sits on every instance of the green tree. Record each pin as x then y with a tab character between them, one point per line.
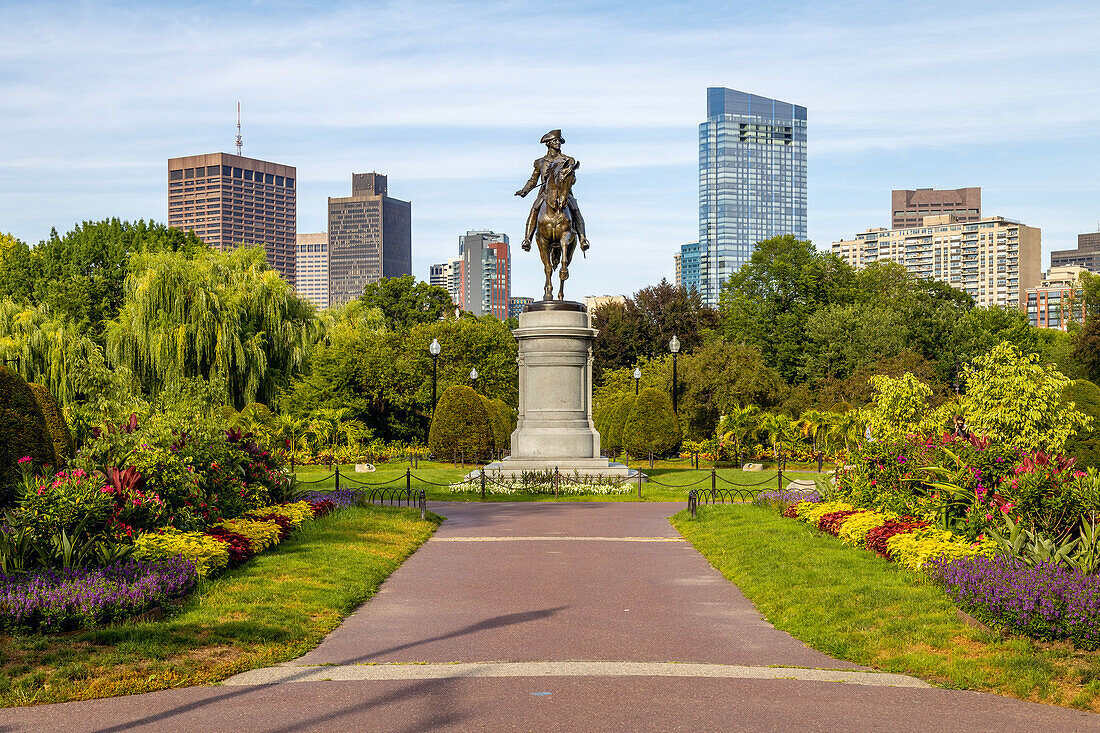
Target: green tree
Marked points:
226	316
720	377
842	338
59	431
23	431
780	430
651	428
1085	445
18	270
738	426
613	440
1014	399
769	301
504	422
461	428
404	302
899	407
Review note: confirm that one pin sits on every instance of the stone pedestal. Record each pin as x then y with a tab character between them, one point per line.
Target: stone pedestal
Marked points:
555	395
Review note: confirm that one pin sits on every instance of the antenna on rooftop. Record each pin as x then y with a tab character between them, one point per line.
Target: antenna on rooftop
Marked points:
240	142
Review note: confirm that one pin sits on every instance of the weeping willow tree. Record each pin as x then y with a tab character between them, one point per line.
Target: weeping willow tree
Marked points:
225	316
47	349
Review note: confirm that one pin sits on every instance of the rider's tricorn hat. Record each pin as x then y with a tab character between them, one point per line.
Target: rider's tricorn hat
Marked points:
552	135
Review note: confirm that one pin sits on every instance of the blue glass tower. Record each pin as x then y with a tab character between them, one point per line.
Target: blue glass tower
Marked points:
689	266
752	180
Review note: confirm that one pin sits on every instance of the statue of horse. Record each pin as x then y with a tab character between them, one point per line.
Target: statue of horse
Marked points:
555	232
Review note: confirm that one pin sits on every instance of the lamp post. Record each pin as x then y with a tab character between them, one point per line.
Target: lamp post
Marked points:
674	347
637	376
434	350
473	378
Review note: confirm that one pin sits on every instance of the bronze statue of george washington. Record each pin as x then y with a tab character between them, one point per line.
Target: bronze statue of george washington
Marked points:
544	166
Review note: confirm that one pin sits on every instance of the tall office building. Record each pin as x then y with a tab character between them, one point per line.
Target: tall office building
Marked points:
752	180
480	278
229	200
1087	254
995	260
517	303
910	207
369	238
312	268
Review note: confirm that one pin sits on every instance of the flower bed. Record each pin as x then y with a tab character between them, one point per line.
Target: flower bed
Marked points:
1045	601
61	600
542	483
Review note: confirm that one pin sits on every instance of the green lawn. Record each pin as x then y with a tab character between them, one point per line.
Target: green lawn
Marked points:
677	480
273	608
853	605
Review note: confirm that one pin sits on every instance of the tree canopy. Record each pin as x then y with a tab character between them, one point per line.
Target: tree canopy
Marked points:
405	303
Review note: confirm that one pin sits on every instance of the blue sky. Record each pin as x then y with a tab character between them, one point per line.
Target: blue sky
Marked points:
449	100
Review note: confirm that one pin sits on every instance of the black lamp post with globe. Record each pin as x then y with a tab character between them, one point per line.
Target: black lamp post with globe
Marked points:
674	347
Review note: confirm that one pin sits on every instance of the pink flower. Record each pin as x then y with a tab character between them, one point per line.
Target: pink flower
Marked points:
105	490
989	516
1078	474
24	459
137	502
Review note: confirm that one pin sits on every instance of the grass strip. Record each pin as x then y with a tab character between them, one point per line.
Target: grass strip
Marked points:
680	478
274	608
853	605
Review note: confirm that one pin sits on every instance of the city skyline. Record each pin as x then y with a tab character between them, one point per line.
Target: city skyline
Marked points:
96	97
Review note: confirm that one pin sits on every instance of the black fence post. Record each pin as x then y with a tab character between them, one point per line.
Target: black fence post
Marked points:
483	484
408	484
691	502
779	466
820	461
651	459
555	482
713	486
639	484
423	505
337	476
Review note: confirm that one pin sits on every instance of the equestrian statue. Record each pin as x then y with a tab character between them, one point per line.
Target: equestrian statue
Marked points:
555	221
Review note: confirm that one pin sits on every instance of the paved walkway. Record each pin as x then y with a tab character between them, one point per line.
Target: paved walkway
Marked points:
586	617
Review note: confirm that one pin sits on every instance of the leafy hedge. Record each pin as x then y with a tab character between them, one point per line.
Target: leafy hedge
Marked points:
23	431
461	427
652	427
59	431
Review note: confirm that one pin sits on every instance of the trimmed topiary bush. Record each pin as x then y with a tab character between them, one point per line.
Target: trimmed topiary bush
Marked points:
652	426
616	419
1085	445
22	431
503	418
461	428
59	431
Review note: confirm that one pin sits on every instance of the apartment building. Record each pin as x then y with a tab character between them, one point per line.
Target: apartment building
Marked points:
909	207
312	268
994	259
1057	301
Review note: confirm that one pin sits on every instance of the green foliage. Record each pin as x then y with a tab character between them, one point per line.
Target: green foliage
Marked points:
208	554
646	322
769	301
1085	445
616	422
80	275
23	431
59	431
652	427
384	379
215	316
899	407
504	420
461	427
720	377
1015	400
405	303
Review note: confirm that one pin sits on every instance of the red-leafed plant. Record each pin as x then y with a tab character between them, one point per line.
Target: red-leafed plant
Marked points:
877	537
240	549
832	521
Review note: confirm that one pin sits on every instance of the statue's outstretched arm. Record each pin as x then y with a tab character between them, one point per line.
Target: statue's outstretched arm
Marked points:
531	182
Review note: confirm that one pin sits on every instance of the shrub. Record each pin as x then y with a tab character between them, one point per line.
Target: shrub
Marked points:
260	533
239	547
616	421
877	538
461	426
811	512
854	532
207	553
503	418
65	500
652	427
832	522
914	550
59	431
1085	445
23	431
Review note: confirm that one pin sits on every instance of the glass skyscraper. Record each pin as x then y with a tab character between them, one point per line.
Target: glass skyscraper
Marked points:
752	180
